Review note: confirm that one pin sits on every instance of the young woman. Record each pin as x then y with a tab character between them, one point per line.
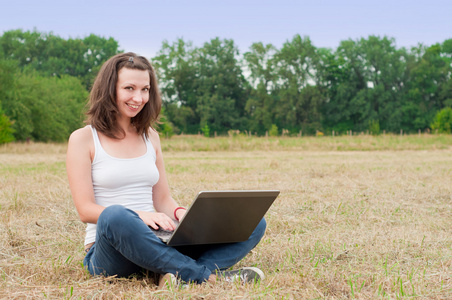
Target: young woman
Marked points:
119	186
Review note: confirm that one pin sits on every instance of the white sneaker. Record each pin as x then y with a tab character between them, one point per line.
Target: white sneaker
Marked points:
245	275
167	281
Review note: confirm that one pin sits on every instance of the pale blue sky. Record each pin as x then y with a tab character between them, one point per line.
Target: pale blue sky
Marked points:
141	26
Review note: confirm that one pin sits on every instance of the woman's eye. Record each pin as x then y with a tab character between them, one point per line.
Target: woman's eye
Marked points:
146	89
129	88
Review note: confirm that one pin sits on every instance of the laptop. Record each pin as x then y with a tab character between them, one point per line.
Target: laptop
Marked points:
220	217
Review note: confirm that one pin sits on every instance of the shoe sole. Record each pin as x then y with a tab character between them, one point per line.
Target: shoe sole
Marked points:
256	270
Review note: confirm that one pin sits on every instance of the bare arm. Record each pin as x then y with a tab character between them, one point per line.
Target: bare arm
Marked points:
78	166
163	202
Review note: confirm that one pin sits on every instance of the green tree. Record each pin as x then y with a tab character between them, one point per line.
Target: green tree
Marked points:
13	108
46	108
445	89
260	106
342	77
261	64
221	87
175	64
165	127
366	82
443	121
299	99
428	77
6	130
273	130
8	71
385	70
51	55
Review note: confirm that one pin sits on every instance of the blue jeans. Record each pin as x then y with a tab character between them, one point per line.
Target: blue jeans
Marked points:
125	245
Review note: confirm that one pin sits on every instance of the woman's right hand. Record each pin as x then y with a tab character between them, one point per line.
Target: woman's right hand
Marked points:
156	220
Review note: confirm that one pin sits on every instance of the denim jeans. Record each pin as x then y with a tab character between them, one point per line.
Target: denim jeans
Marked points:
125	245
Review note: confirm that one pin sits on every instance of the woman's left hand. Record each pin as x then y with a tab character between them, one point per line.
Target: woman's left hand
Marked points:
180	213
156	220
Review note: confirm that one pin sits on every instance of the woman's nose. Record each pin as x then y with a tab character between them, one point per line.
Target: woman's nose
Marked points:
137	96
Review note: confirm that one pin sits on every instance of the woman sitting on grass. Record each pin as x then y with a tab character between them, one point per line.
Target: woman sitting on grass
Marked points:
119	186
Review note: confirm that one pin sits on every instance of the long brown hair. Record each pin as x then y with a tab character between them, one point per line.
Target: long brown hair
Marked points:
103	109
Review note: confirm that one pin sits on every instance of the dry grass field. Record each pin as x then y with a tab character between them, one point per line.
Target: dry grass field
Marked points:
358	217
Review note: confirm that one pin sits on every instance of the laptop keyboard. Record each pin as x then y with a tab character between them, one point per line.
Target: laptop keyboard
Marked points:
161	232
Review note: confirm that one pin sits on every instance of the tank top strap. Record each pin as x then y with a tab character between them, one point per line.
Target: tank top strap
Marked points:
97	146
150	146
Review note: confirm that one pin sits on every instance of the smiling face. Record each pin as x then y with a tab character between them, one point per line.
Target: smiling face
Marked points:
132	91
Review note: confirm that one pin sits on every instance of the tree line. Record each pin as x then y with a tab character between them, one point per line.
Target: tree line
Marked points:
367	84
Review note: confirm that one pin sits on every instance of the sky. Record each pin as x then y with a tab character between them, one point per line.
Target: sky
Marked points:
141	26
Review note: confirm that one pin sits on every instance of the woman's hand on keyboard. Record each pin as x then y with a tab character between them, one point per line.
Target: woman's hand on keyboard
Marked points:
156	220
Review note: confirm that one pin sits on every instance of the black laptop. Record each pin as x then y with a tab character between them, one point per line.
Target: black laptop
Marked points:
220	217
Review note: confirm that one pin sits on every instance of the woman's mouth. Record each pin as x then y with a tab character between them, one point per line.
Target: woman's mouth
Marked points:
132	106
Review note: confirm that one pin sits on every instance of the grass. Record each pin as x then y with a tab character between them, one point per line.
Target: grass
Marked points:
358	217
339	143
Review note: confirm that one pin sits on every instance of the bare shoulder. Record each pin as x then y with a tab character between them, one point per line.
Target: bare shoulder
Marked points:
81	136
81	141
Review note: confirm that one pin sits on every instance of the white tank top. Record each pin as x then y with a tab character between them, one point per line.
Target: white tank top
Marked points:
124	181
